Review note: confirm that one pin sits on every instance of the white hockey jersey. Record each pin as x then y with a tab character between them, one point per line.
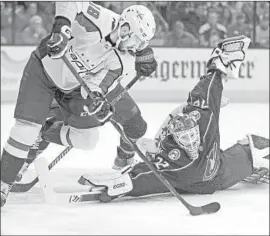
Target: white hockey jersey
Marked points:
90	53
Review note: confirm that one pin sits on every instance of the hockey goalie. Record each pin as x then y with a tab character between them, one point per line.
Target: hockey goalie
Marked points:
186	149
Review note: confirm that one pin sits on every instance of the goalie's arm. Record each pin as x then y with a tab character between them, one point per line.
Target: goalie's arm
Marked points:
206	95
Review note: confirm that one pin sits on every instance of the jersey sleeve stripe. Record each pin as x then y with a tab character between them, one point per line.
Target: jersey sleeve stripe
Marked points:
208	125
209	87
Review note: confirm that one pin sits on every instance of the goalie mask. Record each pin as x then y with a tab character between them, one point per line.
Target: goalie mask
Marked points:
186	133
136	28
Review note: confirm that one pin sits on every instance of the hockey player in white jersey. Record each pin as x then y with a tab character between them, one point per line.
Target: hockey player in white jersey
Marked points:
98	43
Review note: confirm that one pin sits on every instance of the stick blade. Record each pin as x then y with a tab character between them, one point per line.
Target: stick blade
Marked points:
206	209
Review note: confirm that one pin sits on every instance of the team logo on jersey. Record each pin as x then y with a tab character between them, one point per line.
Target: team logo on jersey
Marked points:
212	164
195	114
174	154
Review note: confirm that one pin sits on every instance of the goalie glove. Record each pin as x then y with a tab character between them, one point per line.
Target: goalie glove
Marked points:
228	56
61	33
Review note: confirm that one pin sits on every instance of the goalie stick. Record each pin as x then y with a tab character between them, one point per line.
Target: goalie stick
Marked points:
193	210
25	187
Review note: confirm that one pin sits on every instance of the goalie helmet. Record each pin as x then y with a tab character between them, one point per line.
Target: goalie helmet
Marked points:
186	133
142	27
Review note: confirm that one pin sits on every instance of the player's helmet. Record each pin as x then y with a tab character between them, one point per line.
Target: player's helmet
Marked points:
186	133
142	27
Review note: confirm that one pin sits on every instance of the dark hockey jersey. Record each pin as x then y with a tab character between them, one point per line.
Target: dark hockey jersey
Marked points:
172	161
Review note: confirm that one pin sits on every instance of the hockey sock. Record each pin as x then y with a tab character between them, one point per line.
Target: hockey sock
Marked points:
36	150
10	167
125	151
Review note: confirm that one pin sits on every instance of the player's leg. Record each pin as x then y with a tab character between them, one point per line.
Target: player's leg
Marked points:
145	182
32	108
240	162
259	148
41	144
134	181
128	114
75	128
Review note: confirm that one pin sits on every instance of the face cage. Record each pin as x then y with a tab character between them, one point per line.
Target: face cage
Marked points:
189	140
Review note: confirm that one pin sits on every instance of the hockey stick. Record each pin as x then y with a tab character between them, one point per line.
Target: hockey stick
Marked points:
50	195
24	187
21	188
206	209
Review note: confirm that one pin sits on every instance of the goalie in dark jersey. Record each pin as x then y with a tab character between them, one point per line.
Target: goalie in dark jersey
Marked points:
186	149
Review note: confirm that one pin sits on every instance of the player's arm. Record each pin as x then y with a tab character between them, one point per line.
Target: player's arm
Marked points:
206	95
225	61
65	13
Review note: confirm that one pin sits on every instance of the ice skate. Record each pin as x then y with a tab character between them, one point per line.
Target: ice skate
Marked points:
5	188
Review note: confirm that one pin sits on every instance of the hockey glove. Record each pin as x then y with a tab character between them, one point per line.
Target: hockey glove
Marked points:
61	34
99	108
228	56
145	62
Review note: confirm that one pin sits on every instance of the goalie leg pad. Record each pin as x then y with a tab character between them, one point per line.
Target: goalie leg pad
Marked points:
115	184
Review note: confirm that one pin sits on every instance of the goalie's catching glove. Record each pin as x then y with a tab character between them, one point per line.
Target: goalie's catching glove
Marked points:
145	62
61	33
228	56
99	108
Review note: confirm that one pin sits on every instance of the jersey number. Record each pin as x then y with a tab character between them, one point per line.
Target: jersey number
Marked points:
93	10
160	163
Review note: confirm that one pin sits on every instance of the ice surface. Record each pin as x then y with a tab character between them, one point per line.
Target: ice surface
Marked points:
244	208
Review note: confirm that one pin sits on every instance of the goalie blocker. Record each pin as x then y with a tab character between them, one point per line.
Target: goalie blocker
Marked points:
187	147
